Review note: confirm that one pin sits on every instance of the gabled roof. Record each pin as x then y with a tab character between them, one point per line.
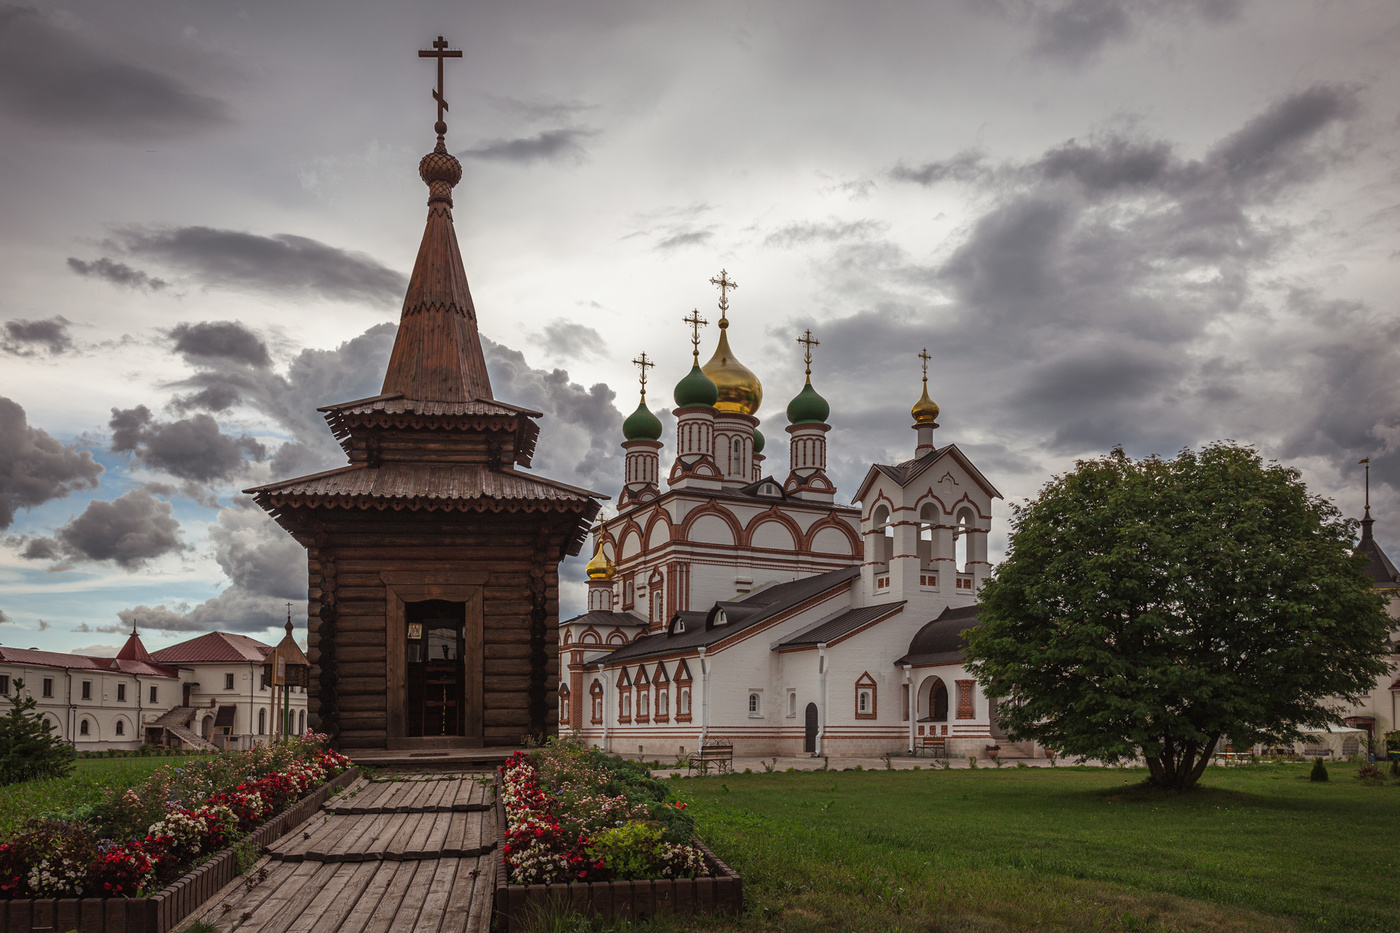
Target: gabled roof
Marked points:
79	662
214	648
597	617
905	473
1380	569
742	613
941	641
825	631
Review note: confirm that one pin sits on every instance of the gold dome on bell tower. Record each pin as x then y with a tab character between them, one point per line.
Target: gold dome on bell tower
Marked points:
739	388
925	410
600	568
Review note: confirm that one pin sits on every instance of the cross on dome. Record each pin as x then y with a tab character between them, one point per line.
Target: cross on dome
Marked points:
644	363
808	342
696	322
923	355
726	284
440	51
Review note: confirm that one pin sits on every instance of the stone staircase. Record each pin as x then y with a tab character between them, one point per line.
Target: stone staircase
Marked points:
177	723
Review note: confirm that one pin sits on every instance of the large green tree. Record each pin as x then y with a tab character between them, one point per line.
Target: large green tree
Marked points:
1152	606
28	746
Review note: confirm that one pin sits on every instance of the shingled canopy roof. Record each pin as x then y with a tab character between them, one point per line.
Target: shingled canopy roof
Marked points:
941	641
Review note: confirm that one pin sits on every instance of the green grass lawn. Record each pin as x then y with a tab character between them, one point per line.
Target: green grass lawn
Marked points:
1256	848
86	784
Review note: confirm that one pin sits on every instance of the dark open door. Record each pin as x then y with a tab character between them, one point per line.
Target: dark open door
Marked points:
185	699
435	691
809	741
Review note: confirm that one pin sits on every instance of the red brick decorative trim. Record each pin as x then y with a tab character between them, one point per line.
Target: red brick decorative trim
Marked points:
863	683
965	699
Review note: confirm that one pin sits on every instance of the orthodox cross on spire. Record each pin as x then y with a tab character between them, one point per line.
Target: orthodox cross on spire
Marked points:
725	286
440	51
1366	462
808	342
696	322
923	355
644	363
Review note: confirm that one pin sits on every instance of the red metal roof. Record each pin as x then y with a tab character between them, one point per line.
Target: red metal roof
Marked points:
79	662
133	650
214	648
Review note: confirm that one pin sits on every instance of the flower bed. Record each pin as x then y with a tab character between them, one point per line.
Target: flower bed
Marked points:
601	834
104	859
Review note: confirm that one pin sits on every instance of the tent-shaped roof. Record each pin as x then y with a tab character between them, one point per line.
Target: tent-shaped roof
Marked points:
1381	570
941	641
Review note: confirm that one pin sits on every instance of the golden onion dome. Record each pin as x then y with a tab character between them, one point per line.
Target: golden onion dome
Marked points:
925	410
600	568
739	388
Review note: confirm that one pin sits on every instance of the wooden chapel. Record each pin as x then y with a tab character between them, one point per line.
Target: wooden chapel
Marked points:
433	560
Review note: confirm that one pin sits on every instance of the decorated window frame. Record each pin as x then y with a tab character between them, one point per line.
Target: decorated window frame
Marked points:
867	697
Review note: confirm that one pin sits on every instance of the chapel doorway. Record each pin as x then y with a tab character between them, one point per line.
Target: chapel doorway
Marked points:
809	740
435	685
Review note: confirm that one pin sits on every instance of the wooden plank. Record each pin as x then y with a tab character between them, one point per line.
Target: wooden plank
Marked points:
416	895
336	828
400	839
417	846
436	836
333	915
385	915
439	890
380	833
282	896
350	848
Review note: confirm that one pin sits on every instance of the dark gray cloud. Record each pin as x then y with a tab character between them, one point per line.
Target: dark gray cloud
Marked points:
118	273
265	567
683	238
219	340
34	467
281	264
565	144
1112	291
580	432
214	398
191	448
128	531
567	339
832	230
40	549
4	619
1076	31
24	338
53	77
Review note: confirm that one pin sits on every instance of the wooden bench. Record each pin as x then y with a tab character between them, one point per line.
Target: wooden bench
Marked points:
720	753
932	746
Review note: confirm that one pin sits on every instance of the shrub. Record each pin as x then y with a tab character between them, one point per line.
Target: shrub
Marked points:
1370	772
634	851
28	747
1395	768
1319	770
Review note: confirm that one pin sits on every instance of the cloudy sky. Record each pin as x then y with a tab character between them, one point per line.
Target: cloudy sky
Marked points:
1153	223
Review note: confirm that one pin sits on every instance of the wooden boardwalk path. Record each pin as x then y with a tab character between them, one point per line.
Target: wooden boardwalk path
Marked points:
401	852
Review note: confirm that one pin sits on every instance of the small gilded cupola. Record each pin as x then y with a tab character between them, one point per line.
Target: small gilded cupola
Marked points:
807	414
642	441
925	412
740	395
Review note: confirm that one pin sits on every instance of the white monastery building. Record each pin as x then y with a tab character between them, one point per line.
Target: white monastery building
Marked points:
208	692
750	607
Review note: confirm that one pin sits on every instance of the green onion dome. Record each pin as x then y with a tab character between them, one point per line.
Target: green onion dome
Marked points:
696	389
808	407
758	441
642	425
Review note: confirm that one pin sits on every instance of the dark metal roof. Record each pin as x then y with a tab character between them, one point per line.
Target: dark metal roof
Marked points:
941	641
906	472
397	405
742	614
1380	569
834	626
436	485
599	617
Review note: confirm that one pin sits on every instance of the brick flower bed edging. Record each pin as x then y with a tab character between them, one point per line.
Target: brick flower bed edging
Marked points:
721	892
162	911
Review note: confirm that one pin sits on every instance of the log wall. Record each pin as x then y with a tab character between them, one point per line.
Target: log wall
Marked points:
513	558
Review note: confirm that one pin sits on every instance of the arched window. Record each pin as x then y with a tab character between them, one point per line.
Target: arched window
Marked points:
596	692
262	722
960	540
755	703
563	704
663	703
928	517
83	727
301	722
738	464
121	727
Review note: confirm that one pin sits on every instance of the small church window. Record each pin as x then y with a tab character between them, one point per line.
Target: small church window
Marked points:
663	703
83	727
121	727
121	693
755	703
684	708
262	722
865	697
624	706
792	703
643	703
155	692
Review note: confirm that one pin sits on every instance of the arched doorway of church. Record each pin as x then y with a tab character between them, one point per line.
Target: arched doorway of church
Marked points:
809	741
933	700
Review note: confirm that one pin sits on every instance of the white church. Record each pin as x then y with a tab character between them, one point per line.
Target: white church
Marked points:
737	605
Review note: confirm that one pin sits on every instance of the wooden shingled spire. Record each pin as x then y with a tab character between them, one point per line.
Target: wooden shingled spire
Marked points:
437	354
